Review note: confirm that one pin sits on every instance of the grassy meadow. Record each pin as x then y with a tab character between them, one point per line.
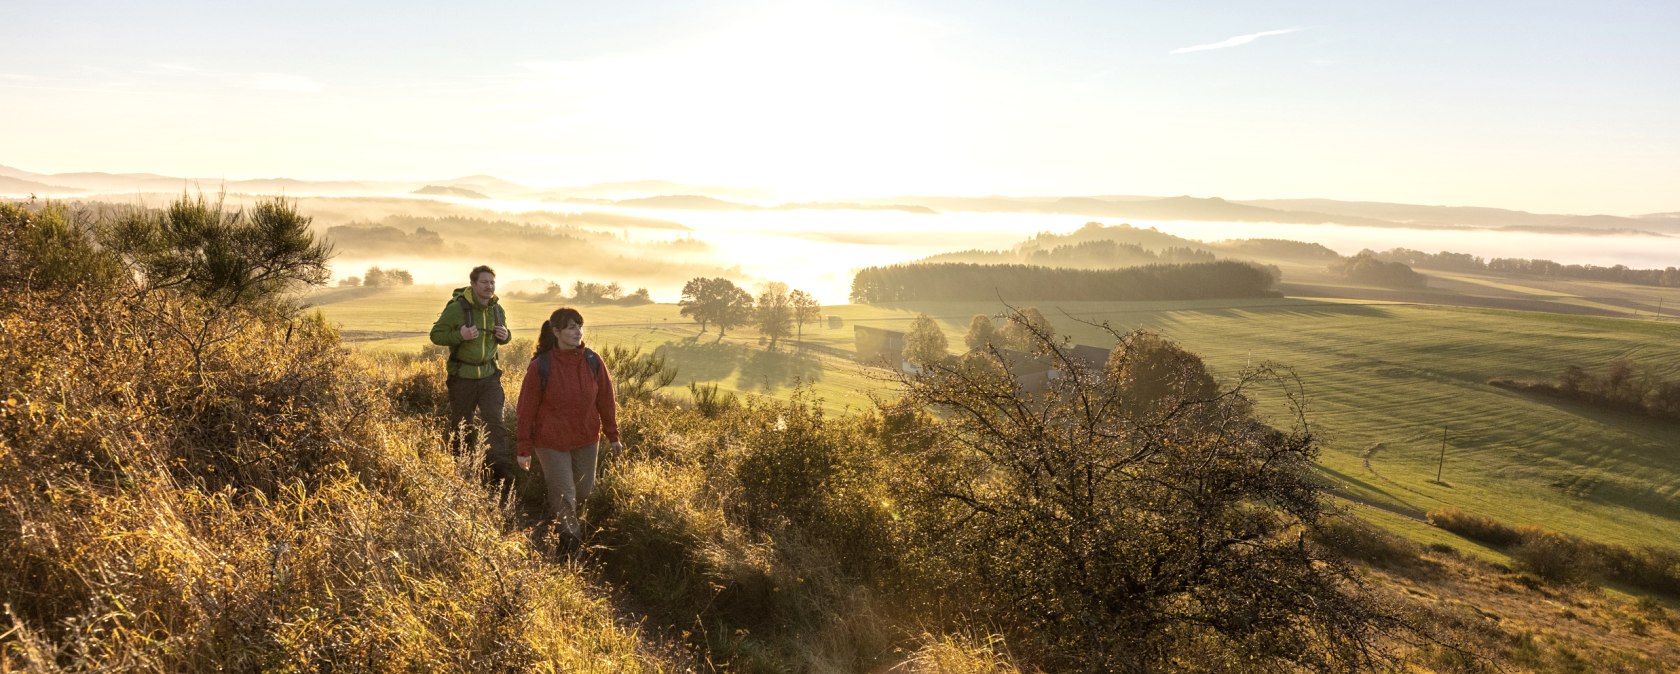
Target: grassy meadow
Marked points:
243	494
1382	379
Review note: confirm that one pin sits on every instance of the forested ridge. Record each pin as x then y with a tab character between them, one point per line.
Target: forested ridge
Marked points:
1010	282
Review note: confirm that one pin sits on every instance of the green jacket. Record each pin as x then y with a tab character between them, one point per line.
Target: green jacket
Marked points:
470	358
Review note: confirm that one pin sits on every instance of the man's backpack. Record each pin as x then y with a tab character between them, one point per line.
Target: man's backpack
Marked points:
542	367
469	318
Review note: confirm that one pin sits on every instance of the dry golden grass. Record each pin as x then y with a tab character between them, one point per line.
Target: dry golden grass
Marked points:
182	491
1513	622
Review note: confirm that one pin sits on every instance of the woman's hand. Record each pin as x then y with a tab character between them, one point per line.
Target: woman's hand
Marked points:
524	463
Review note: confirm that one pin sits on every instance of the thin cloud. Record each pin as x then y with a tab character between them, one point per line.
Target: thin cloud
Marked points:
1237	41
282	82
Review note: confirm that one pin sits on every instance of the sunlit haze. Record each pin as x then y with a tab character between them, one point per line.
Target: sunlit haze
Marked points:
1554	107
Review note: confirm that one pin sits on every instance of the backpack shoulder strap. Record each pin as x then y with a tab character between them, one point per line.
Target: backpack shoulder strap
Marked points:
466	310
542	372
542	363
594	362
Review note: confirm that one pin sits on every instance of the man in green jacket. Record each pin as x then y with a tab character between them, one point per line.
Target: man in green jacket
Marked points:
472	325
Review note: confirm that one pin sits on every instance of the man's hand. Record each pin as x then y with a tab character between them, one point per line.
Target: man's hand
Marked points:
469	332
617	447
502	333
524	463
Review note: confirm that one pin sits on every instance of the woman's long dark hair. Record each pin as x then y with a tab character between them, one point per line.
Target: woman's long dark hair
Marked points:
563	316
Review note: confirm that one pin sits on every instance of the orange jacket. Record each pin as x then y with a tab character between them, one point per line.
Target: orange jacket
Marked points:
572	410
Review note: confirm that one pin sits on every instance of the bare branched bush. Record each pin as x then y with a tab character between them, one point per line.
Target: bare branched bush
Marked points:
1113	526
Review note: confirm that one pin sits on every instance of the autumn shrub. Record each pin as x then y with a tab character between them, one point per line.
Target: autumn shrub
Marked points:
1557	557
52	245
1475	527
709	400
1351	538
1649	568
752	530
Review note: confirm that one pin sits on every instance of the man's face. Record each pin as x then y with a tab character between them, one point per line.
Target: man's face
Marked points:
485	287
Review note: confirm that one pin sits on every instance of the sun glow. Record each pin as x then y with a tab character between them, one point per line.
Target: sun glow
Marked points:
809	100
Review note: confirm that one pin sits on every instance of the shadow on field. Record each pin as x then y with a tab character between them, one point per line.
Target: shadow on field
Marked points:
1394	504
771	371
703	360
337	295
1659	433
1614	492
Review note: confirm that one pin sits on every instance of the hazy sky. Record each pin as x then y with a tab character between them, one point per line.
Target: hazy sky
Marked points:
1536	105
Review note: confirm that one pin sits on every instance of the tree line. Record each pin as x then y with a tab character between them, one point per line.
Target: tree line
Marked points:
1367	268
588	293
968	282
1668	277
1109	253
378	278
1622	384
777	312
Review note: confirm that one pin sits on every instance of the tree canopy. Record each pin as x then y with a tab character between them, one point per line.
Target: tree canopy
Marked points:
715	300
775	312
925	344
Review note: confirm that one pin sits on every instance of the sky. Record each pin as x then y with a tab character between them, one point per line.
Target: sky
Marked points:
1544	106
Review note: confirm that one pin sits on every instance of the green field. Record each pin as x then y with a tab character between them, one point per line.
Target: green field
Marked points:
1383	380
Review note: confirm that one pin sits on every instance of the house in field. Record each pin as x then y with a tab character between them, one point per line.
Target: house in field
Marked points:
879	346
1036	372
1091	359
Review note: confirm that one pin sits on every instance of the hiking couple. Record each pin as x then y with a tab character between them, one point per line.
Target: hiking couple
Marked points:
565	403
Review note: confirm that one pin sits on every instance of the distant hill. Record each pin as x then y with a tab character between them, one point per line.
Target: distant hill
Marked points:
641	189
290	186
486	184
687	202
442	191
675	195
850	206
22	187
1414	215
692	202
1192	208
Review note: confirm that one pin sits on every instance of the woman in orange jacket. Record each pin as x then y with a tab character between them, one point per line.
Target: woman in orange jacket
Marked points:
565	404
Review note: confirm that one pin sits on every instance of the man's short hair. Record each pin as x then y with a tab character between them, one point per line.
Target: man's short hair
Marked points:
480	269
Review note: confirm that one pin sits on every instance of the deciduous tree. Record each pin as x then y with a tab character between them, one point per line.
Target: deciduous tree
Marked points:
1023	330
805	310
982	332
775	312
925	344
706	300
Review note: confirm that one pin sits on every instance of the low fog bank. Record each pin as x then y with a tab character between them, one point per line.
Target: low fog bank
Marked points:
533	243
